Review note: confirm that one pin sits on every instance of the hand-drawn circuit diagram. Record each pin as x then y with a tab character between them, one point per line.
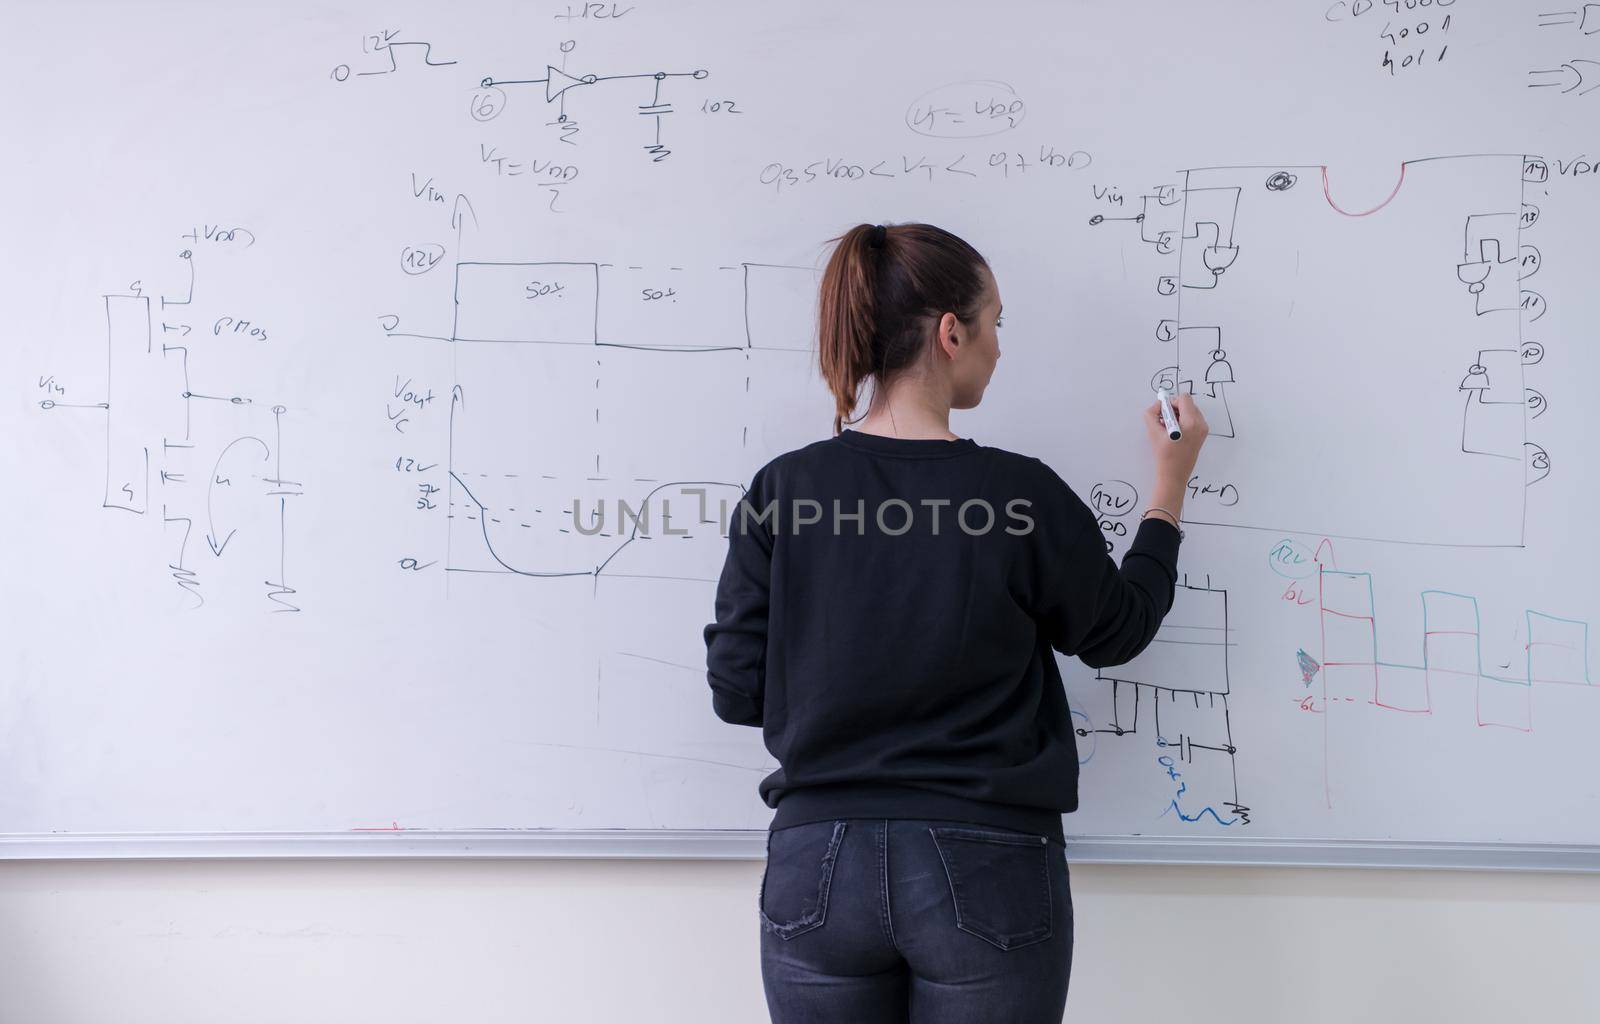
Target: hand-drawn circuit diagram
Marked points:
181	438
1174	696
492	98
1421	302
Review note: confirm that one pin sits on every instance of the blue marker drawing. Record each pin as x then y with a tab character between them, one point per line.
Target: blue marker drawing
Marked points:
1309	666
1191	818
1171	768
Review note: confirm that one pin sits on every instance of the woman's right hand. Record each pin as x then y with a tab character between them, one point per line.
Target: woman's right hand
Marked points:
1175	460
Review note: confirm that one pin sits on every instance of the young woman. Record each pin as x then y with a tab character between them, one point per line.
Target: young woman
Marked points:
888	614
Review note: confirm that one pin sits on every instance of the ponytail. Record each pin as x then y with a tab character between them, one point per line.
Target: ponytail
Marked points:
845	319
880	286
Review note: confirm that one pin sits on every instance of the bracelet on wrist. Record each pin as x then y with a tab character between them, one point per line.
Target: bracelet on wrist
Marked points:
1164	514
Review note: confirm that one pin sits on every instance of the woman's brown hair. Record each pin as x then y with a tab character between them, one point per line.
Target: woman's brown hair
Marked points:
880	289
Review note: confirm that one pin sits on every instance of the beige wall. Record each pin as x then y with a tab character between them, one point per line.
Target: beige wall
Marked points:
485	942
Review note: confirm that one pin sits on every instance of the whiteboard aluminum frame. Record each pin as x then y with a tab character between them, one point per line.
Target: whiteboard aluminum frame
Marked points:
750	844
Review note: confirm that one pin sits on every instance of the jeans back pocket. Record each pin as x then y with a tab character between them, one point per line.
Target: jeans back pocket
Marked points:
999	882
798	877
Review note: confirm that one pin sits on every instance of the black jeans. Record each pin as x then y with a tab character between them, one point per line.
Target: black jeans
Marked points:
865	921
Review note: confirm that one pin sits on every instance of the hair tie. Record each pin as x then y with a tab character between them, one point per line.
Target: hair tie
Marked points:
877	236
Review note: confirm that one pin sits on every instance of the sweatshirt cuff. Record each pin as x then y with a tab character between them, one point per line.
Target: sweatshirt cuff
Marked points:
735	708
1158	539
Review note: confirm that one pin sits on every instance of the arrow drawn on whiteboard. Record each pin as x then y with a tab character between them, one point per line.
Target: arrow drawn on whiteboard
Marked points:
211	485
457	221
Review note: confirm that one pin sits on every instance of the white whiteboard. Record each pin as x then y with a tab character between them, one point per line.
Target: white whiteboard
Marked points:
319	321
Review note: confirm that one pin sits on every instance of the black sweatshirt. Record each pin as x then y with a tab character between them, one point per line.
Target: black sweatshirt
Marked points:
887	612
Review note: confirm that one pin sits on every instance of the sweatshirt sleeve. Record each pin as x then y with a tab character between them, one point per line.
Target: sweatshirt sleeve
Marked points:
736	643
1086	605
